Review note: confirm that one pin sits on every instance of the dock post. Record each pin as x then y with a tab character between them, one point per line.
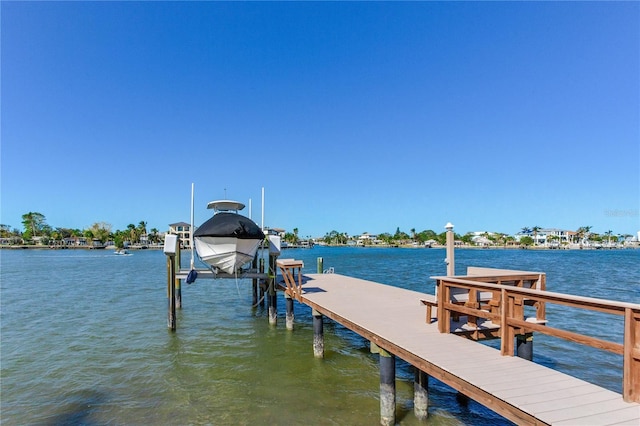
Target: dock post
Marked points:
289	320
421	395
254	283
387	385
387	388
261	300
524	346
318	334
171	247
178	266
272	295
451	264
320	262
171	293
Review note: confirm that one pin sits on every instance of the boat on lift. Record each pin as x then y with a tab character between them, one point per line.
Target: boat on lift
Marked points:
228	240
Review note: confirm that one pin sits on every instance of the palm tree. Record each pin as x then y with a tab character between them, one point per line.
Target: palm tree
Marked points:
142	227
154	235
583	232
535	230
133	233
608	234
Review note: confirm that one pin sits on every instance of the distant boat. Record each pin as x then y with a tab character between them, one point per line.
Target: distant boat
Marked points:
228	240
121	252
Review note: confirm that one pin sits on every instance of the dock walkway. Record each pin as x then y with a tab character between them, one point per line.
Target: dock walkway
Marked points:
520	390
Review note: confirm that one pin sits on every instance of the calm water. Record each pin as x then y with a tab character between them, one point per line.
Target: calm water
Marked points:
84	340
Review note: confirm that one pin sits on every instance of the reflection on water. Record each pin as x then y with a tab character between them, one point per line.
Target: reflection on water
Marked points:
85	341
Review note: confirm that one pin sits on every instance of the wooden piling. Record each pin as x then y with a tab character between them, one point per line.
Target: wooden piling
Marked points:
320	262
387	388
178	266
524	346
289	319
421	395
261	300
272	296
318	334
254	284
171	292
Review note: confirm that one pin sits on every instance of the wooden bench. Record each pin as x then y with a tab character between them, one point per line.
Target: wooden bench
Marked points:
485	300
430	302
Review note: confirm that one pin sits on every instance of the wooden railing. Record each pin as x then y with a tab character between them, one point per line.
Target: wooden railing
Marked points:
509	314
288	268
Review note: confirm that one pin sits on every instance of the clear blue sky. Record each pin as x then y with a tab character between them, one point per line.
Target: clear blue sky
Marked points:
355	117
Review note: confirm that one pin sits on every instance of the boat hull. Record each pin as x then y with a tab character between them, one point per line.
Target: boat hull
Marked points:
226	253
227	241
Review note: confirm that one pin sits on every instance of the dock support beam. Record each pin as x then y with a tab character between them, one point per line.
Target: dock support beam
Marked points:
254	284
387	385
261	300
320	265
524	346
289	320
318	334
387	388
421	395
272	296
178	266
171	292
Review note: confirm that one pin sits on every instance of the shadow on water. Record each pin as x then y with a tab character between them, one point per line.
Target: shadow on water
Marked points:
78	409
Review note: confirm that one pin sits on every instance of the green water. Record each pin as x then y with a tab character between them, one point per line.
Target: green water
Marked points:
84	340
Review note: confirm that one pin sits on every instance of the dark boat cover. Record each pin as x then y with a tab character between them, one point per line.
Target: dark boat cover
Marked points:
226	224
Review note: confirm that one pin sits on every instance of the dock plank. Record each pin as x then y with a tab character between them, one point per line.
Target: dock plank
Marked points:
394	319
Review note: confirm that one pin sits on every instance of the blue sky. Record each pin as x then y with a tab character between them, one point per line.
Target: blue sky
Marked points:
355	117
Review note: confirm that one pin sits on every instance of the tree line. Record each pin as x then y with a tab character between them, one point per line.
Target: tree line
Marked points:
35	228
528	237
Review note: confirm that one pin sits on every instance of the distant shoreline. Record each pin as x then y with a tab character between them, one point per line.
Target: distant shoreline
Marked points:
488	247
159	247
35	247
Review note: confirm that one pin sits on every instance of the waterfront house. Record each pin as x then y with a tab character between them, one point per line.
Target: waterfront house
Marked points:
367	239
183	231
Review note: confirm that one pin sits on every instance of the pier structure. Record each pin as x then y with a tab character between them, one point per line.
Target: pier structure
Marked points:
485	303
393	320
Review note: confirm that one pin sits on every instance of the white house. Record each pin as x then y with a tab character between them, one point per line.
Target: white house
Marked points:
183	231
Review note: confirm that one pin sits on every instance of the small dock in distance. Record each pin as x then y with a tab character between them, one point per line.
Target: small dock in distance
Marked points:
393	319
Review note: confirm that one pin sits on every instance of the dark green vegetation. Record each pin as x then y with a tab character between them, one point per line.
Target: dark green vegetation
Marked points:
37	231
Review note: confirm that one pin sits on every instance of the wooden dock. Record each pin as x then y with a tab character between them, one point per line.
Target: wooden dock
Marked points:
522	391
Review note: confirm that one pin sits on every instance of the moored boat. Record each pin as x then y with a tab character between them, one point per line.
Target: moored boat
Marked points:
228	240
